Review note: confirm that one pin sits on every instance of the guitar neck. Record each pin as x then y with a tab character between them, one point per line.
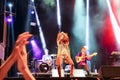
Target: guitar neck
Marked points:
93	54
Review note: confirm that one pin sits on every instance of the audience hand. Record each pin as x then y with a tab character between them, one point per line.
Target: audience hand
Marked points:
22	57
18	54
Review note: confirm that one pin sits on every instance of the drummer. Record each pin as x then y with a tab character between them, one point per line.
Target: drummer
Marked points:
47	58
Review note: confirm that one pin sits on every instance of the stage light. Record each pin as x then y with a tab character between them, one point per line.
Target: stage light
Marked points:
32	12
87	42
32	0
9	19
40	30
79	22
32	24
37	52
58	16
115	24
50	3
32	18
10	5
87	24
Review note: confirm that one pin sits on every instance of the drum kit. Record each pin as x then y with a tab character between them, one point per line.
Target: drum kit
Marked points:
43	67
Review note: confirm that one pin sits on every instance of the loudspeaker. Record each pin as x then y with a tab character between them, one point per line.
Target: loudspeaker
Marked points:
79	73
110	71
55	73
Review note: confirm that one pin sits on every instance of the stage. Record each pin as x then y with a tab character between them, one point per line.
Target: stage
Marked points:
53	74
49	76
56	78
64	78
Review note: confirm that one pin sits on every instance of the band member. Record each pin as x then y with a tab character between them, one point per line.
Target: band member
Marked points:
47	58
63	53
81	59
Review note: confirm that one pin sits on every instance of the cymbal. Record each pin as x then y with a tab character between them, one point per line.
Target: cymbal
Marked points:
34	58
53	55
39	60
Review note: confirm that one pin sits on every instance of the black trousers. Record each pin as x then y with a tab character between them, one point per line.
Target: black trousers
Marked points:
85	67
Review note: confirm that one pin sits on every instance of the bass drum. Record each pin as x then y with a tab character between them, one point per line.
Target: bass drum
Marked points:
43	67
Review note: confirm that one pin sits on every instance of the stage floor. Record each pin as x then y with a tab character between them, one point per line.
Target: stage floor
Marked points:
57	78
64	78
51	75
48	76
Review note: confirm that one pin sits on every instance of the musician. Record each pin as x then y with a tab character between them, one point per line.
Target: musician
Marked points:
63	53
81	59
47	58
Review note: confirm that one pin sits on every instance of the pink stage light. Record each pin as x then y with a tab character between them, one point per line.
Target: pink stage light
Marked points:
9	19
37	52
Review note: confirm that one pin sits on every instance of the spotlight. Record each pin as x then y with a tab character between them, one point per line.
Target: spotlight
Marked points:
32	12
32	23
32	0
10	5
32	42
9	19
37	52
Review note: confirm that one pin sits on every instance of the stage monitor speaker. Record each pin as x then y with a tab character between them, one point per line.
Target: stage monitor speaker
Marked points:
79	73
110	71
55	73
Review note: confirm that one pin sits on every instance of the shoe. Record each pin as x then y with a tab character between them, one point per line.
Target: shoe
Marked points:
89	75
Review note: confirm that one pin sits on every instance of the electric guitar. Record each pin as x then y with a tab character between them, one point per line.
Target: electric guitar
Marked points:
82	58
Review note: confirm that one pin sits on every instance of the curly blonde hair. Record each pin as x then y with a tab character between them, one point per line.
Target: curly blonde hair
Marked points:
62	37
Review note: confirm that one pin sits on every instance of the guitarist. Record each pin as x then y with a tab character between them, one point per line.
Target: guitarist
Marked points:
81	59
